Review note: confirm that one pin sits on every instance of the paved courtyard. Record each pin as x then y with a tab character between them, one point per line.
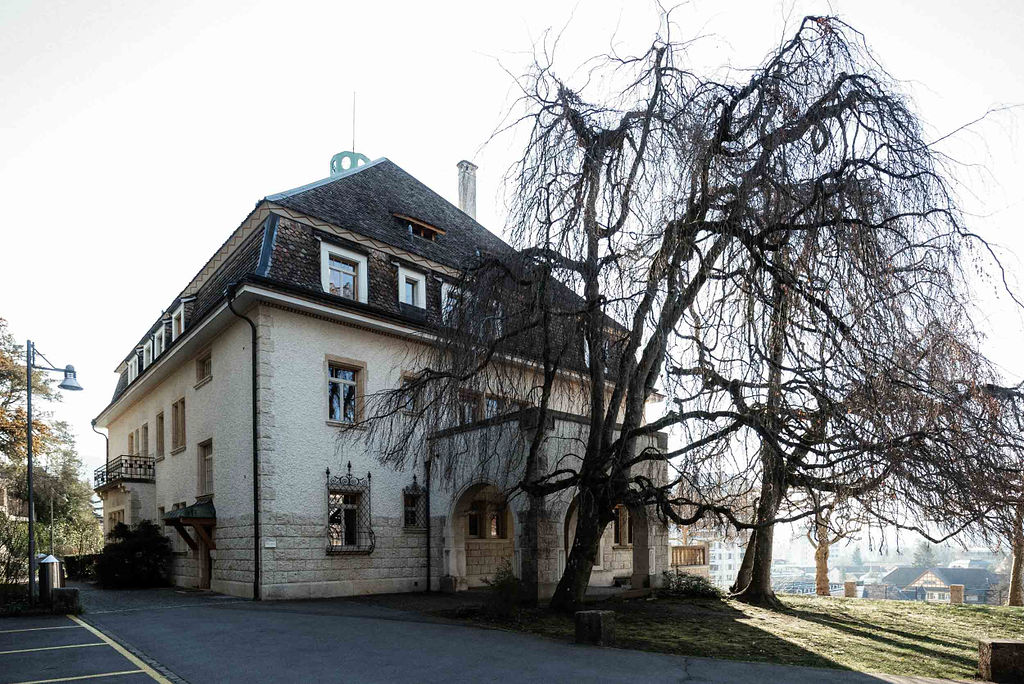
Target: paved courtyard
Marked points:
201	637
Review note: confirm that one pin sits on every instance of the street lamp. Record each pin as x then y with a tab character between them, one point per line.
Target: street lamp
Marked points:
70	382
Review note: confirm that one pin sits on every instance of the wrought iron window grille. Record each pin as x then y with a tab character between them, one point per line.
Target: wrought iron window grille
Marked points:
414	506
349	528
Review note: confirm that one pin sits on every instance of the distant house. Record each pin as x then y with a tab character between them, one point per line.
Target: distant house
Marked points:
980	585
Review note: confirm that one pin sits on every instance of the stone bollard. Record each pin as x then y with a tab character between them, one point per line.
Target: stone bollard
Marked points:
65	601
595	627
956	594
850	589
1001	660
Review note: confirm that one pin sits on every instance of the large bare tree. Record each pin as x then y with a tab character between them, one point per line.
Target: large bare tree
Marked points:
771	254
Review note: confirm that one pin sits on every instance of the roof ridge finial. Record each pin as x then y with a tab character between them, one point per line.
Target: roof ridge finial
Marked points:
346	161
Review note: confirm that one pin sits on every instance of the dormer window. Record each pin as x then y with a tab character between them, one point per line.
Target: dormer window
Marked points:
147	354
158	342
412	288
343	273
420	229
178	323
133	367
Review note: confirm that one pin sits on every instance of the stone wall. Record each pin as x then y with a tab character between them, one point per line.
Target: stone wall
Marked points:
484	557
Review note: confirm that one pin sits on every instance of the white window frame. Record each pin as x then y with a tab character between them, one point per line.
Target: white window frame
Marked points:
158	342
326	251
180	311
421	286
147	354
133	367
448	297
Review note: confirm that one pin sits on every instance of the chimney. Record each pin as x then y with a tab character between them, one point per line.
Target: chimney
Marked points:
467	187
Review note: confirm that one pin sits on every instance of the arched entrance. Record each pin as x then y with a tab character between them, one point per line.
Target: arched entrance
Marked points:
480	536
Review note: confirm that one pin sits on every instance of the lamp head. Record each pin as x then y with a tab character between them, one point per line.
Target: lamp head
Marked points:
70	381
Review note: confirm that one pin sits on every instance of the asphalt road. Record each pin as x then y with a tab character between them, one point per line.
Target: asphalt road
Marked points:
337	640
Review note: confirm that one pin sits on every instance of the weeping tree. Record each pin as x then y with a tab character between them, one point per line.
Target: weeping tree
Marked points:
756	252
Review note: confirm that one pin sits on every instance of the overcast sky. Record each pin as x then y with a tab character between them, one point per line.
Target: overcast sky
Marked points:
135	136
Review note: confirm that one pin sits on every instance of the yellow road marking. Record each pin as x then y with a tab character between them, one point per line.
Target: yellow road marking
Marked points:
75	679
156	676
50	648
36	629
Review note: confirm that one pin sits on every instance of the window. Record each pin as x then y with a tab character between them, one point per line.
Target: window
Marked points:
206	467
204	366
178	425
342	383
131	443
485	521
469	408
412	288
409	401
495	406
344	277
343	272
147	354
348	514
144	442
160	435
414	508
474	519
115	517
178	323
449	302
158	341
179	543
133	367
622	526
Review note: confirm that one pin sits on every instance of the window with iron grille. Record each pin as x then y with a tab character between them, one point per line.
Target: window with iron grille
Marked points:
414	506
349	528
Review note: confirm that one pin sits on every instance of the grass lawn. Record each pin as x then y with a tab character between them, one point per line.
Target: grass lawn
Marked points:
896	637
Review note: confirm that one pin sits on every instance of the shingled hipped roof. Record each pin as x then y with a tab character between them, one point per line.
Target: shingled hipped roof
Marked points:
366	199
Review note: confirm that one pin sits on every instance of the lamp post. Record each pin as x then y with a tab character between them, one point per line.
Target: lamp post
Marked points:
70	382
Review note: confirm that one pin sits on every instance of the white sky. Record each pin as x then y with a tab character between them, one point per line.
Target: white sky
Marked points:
135	136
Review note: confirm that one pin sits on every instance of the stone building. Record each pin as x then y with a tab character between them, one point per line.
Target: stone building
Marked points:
225	421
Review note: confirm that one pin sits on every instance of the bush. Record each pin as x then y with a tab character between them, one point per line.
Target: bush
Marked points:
684	585
135	557
13	550
505	592
81	568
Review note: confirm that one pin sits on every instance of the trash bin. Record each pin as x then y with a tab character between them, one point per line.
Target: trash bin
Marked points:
50	577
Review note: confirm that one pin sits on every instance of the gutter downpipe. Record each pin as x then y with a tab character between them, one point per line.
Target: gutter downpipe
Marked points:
105	437
426	468
256	593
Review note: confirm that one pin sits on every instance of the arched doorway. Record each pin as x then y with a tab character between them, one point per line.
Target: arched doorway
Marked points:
480	537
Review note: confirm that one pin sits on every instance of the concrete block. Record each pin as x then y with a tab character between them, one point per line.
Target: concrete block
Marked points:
850	589
65	601
1001	660
595	627
956	594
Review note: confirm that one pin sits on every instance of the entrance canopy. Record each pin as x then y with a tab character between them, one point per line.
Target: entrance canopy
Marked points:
200	516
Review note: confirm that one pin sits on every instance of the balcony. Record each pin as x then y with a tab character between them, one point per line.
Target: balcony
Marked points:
125	468
694	555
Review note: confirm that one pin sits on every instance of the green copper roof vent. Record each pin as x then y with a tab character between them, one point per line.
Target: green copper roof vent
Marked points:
346	161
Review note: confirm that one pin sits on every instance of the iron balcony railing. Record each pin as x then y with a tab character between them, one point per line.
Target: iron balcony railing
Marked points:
125	468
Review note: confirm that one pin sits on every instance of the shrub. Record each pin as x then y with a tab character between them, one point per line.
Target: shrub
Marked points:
81	568
135	557
13	550
505	592
684	585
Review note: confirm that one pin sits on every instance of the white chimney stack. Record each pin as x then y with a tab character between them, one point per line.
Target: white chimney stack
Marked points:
467	187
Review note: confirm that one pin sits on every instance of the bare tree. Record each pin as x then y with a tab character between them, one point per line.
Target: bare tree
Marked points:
777	256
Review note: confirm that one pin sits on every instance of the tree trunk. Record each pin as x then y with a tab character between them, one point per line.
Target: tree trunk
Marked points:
743	574
821	552
758	590
1016	597
572	586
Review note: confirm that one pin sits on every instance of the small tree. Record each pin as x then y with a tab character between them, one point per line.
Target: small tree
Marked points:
924	555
